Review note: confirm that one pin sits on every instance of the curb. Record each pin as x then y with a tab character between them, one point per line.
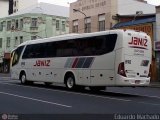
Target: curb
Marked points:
155	85
5	74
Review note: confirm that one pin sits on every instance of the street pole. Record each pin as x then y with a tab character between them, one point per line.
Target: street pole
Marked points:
76	10
138	13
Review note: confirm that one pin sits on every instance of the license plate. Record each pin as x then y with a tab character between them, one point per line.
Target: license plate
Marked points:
137	81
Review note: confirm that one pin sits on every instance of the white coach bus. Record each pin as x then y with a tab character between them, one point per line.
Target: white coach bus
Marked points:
95	60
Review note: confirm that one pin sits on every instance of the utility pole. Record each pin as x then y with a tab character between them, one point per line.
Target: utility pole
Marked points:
138	13
85	16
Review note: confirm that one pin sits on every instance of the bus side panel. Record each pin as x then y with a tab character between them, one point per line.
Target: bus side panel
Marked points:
118	60
102	77
32	73
44	71
83	77
102	71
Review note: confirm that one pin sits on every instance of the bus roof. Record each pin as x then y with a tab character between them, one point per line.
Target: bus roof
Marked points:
73	36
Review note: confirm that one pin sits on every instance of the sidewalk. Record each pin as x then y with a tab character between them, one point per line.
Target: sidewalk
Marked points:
5	74
155	84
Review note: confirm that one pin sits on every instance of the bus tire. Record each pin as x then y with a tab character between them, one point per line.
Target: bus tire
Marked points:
70	81
23	78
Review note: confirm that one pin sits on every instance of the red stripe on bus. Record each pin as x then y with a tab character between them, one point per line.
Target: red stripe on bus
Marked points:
75	63
138	47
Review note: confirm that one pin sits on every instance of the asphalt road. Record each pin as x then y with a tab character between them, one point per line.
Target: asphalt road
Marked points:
39	99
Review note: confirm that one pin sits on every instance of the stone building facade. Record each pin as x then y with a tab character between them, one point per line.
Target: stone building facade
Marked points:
40	21
99	15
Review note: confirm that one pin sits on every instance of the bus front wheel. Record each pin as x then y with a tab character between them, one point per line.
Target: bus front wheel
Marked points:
23	78
70	82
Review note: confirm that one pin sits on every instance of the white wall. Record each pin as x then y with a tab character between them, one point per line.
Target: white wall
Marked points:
26	3
22	4
4	7
129	7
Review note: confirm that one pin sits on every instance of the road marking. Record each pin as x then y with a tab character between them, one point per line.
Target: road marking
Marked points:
34	99
96	96
68	92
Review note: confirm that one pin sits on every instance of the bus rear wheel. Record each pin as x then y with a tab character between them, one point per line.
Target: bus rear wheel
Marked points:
70	82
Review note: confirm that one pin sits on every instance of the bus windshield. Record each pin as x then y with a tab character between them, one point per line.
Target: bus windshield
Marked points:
16	55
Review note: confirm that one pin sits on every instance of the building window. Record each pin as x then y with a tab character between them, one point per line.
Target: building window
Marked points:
16	41
33	37
13	24
63	26
1	42
15	3
21	24
1	26
34	22
101	22
87	26
8	42
75	26
8	25
21	39
57	24
17	25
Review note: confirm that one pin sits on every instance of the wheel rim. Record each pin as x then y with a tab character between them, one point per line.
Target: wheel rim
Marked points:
23	79
70	82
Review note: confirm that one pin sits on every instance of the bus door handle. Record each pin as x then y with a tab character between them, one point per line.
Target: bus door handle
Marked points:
92	76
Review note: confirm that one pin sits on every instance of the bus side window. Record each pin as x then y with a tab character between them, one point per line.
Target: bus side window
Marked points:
60	49
96	46
31	53
50	49
110	41
75	52
79	47
27	52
